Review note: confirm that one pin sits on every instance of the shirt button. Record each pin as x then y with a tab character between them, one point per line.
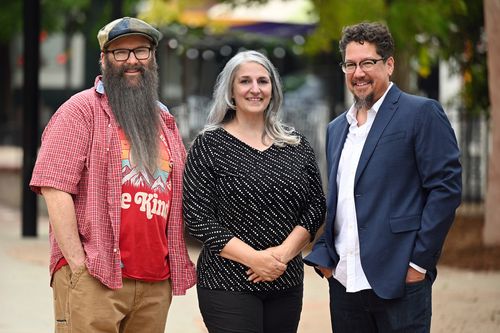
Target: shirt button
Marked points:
115	250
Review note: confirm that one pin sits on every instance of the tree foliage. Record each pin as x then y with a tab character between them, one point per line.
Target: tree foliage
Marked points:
466	47
424	32
10	19
58	15
164	12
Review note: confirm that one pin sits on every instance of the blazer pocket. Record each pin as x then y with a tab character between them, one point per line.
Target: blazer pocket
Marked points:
392	137
405	223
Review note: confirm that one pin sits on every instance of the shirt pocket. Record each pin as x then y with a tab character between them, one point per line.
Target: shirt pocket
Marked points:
405	223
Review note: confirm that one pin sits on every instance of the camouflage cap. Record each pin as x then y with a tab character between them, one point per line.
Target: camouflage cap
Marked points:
126	26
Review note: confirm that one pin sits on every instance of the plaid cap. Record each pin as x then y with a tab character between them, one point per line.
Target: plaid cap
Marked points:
126	26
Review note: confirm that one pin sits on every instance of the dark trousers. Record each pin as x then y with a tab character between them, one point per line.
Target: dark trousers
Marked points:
365	312
251	312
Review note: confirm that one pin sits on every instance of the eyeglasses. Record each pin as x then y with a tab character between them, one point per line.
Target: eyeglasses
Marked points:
365	65
140	53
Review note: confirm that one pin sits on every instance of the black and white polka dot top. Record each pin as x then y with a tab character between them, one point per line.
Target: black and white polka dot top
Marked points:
233	190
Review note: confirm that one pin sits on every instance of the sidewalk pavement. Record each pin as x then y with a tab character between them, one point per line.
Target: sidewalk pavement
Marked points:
463	301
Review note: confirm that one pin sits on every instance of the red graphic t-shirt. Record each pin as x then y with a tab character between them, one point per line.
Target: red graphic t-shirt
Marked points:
145	205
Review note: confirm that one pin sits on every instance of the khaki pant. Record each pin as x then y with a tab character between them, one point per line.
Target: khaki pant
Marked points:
83	304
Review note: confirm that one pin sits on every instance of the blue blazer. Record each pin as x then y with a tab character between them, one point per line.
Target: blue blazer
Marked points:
407	188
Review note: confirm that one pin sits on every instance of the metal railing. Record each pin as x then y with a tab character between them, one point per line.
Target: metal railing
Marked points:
310	115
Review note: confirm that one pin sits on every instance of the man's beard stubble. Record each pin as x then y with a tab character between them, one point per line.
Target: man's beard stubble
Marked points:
364	103
135	108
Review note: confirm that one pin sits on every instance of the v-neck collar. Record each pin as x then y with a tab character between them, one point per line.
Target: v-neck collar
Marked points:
242	143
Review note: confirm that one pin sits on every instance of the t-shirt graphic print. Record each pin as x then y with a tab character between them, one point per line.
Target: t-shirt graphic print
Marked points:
145	205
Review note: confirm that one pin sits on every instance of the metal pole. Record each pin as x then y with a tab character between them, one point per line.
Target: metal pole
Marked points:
31	15
116	9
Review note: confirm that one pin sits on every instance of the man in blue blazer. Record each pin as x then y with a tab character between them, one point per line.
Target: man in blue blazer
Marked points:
394	183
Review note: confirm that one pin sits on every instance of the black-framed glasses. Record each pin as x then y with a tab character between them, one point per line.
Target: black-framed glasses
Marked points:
140	53
365	65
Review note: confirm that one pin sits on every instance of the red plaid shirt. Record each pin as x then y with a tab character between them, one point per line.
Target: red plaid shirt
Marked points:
80	155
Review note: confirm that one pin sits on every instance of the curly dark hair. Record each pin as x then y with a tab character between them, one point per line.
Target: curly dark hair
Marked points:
374	33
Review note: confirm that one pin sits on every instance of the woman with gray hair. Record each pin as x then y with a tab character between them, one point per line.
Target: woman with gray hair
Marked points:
253	197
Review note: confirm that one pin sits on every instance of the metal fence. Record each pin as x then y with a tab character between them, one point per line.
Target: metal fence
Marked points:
309	113
473	139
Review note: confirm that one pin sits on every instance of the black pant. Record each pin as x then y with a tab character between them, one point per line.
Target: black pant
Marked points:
365	312
251	312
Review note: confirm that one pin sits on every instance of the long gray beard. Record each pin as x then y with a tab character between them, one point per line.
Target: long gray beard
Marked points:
364	103
135	109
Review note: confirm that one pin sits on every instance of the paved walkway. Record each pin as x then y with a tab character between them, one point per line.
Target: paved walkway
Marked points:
464	301
25	295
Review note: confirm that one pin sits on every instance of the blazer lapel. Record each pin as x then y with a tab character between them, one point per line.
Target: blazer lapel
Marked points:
337	140
384	116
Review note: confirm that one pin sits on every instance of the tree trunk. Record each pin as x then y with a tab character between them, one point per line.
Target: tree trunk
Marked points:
401	70
491	231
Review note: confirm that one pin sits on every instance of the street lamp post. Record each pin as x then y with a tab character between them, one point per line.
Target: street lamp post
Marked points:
31	15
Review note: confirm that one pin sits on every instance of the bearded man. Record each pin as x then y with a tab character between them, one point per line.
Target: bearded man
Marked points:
110	170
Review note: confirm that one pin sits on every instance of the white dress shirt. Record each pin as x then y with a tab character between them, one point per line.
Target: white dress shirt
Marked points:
349	271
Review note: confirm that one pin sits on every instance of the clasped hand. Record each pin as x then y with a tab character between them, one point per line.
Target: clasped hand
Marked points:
267	265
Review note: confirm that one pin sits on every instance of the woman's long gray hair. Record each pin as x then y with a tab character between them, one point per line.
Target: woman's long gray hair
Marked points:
223	108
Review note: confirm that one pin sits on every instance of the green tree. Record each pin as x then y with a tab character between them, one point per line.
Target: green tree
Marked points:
10	19
424	31
68	16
